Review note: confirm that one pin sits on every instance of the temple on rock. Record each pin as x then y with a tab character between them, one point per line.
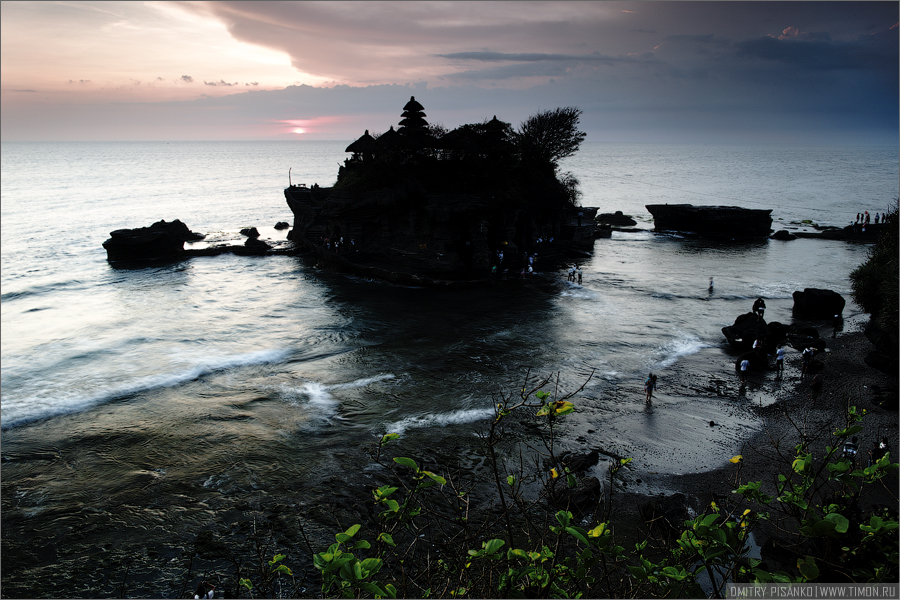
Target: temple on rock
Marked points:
421	204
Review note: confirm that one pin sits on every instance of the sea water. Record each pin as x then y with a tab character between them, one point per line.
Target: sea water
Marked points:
222	375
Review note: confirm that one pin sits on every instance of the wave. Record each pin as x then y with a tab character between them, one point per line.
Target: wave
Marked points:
470	415
318	397
678	348
40	408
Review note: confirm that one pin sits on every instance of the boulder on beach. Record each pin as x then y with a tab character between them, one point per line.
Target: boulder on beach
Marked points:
747	328
783	235
250	232
589	492
160	240
282	225
814	303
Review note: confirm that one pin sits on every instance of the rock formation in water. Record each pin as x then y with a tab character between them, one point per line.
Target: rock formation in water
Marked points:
160	240
422	205
725	222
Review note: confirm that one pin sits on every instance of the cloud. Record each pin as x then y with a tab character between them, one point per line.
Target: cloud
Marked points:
221	82
80	81
187	79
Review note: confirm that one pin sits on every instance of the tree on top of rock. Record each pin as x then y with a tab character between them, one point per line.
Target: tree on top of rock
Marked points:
413	121
550	136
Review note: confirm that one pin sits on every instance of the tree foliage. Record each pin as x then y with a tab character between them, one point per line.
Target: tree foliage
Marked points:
875	282
550	135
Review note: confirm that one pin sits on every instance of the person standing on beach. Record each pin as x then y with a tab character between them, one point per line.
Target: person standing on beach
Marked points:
807	357
649	384
779	363
745	364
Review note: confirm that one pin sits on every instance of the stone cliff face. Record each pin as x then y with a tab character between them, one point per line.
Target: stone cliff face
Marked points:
407	230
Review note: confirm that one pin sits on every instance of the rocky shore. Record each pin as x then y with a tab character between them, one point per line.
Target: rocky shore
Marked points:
789	414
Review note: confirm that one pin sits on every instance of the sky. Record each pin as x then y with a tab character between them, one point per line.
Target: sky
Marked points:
659	72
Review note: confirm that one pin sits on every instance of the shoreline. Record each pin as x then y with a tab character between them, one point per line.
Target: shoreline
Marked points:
849	381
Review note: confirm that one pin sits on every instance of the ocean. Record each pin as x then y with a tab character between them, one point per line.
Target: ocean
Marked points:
138	402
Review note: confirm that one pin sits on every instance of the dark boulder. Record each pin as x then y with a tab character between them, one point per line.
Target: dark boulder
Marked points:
747	328
813	303
160	240
253	246
250	232
588	493
801	337
616	219
281	225
783	235
581	462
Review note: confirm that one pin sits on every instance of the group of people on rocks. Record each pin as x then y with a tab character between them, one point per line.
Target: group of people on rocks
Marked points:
337	243
806	356
525	265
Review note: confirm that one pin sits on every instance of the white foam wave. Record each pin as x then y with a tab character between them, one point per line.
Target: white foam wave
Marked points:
318	397
440	420
678	348
26	410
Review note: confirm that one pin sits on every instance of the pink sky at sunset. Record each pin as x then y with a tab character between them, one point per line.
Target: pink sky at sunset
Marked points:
327	70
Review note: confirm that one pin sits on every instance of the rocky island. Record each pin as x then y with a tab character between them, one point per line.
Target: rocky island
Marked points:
423	205
731	222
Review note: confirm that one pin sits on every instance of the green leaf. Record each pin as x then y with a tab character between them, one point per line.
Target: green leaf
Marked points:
436	478
282	569
371	565
388	438
374	589
808	568
383	492
574	531
511	480
491	546
361	544
564	517
407	462
246	583
841	524
386	538
541	395
516	552
277	558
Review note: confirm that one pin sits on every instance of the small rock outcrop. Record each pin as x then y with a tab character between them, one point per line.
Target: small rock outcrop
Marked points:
783	235
616	219
814	303
160	240
282	225
250	232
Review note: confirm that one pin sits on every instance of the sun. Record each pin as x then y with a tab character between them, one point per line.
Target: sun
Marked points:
299	130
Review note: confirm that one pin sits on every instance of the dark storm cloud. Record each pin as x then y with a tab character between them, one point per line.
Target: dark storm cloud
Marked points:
871	53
